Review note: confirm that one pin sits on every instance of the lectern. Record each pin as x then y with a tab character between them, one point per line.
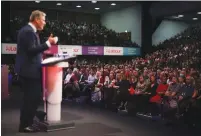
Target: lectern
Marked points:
53	68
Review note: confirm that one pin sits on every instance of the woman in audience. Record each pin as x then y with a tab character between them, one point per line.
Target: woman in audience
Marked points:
133	81
109	90
139	91
141	86
150	92
97	91
160	91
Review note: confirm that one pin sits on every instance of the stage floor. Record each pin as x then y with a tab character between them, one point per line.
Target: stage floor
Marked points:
90	121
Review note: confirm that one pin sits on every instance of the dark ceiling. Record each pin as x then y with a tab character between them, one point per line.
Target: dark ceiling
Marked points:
165	9
87	6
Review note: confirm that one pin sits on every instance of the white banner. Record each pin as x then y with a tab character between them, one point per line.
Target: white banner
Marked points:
113	51
8	48
70	49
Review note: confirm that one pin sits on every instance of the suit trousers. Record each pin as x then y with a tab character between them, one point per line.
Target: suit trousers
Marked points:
32	89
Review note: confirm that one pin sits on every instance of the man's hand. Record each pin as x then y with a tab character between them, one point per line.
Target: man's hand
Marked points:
180	98
53	40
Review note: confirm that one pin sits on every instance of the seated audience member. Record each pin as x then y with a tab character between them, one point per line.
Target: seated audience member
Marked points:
186	92
133	82
75	85
171	92
173	88
160	91
137	98
150	92
181	81
97	95
90	81
82	78
183	98
67	84
141	86
90	84
118	79
123	94
68	76
109	90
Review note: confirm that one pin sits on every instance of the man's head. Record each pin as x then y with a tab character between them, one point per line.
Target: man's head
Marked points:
37	18
189	80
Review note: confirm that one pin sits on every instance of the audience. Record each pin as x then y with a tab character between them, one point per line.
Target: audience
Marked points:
71	33
170	76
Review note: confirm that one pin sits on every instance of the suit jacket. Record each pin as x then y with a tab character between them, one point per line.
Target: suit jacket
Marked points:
82	78
29	53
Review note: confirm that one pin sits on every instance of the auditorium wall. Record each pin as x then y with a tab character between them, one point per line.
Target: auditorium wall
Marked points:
126	19
167	29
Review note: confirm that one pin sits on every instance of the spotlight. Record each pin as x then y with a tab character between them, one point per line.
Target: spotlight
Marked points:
195	18
59	4
113	4
78	6
180	15
94	1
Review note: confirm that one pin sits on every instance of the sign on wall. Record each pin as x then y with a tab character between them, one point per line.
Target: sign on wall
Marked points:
8	48
129	51
118	51
70	49
92	50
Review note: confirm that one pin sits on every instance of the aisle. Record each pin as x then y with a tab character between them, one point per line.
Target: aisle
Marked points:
90	122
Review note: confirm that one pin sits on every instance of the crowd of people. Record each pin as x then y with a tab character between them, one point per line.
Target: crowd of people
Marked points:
72	33
169	76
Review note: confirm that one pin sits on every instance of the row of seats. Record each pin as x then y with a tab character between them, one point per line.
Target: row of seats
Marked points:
142	97
71	33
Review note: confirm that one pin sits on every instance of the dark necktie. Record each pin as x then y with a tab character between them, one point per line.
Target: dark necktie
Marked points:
38	37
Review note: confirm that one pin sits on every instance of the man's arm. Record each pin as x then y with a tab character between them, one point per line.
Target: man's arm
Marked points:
30	45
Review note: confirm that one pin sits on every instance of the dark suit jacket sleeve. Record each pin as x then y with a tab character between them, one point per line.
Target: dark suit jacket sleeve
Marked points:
32	48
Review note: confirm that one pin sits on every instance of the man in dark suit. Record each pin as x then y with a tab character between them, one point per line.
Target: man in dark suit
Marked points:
28	67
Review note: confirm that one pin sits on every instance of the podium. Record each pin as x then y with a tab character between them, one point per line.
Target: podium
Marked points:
52	76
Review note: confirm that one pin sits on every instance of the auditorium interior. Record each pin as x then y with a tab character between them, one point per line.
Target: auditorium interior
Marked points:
135	70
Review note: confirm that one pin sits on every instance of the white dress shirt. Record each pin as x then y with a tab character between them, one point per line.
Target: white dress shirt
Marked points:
35	30
91	79
68	77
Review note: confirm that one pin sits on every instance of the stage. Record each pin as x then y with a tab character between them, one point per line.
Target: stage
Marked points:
89	121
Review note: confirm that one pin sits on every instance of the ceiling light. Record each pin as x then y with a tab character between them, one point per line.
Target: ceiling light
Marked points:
113	4
78	6
37	1
195	18
94	1
199	13
97	8
59	4
126	31
180	15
